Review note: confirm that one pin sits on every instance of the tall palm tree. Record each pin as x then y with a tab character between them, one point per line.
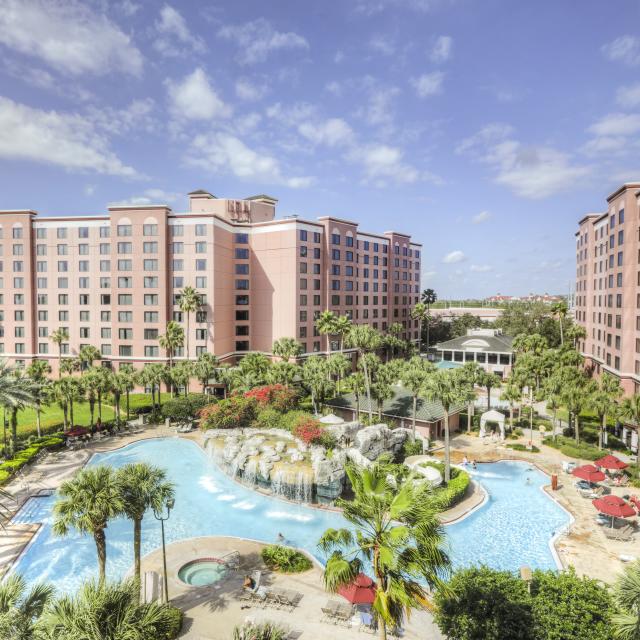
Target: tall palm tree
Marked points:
575	396
604	402
488	381
100	611
128	376
428	296
69	366
87	503
38	371
171	341
152	376
92	381
445	387
253	368
120	382
142	487
20	609
181	374
205	368
326	324
630	410
626	595
395	536
315	376
420	313
88	355
59	337
190	302
339	365
471	374
284	373
511	394
414	375
383	379
17	391
356	382
560	310
286	348
365	340
342	327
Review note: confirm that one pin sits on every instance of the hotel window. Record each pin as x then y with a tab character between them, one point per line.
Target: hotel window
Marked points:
242	330
177	316
105	265
201	247
316	268
241	238
16	233
242	345
84	298
242	269
150	247
125	282
18	266
150	264
335	254
105	349
242	315
41	234
242	284
62	249
201	316
303	267
125	350
18	316
201	334
83	232
83	249
201	230
41	249
151	316
349	256
335	238
242	254
335	269
18	283
105	298
349	241
177	265
150	282
43	298
177	230
303	299
177	247
125	334
303	251
316	237
125	299
151	351
105	283
43	347
83	283
105	232
105	249
63	299
125	247
178	282
619	258
84	332
620	237
335	300
150	229
83	266
125	316
303	235
43	332
316	253
19	347
63	266
105	333
316	302
150	299
124	230
125	265
201	265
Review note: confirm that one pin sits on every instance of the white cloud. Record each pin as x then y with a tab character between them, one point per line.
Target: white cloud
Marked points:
66	140
372	7
68	36
332	132
629	97
194	98
224	153
428	84
257	39
248	90
151	196
616	124
89	189
454	257
293	114
382	44
338	57
135	117
334	87
173	35
480	268
378	110
383	163
624	49
442	49
428	275
532	172
481	217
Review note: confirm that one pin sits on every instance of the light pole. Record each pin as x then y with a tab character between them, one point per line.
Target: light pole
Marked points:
159	515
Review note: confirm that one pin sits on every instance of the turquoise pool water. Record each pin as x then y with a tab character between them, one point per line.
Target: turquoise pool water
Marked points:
512	529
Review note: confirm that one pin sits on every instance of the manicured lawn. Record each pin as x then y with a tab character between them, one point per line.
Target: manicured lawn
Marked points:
51	417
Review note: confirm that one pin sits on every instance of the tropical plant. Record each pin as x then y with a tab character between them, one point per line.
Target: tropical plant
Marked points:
285	559
365	340
185	407
559	311
152	376
326	324
236	412
428	297
38	371
626	593
189	302
260	631
445	387
17	391
171	341
87	355
342	329
309	430
20	609
251	371
420	313
274	396
489	381
205	369
287	348
281	372
603	401
470	373
59	337
110	612
630	410
414	376
92	381
70	365
356	383
396	537
87	503
315	376
511	394
141	487
181	374
339	365
128	377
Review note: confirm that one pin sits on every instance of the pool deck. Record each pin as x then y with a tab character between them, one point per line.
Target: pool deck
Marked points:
211	612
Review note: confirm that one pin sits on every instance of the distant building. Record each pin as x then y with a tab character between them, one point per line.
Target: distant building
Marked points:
532	297
492	350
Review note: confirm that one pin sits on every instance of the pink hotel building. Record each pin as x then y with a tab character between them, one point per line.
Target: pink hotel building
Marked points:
112	281
607	296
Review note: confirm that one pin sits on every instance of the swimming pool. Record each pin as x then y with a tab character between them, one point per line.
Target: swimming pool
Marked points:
512	529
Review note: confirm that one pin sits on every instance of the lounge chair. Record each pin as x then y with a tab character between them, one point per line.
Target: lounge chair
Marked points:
624	534
251	594
231	560
288	599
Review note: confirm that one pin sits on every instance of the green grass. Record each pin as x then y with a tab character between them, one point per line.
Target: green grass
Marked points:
51	417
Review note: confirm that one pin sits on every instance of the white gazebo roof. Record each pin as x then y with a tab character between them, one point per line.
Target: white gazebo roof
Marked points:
331	419
492	416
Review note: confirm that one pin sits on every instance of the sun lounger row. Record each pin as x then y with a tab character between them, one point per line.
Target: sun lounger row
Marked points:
623	534
337	613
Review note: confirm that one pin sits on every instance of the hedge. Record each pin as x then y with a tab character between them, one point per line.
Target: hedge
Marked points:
185	408
568	446
285	559
23	457
523	447
445	497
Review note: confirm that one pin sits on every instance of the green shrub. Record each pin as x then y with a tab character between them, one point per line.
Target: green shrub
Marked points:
185	408
410	448
523	447
260	631
175	618
236	412
269	418
285	559
4	476
568	446
445	497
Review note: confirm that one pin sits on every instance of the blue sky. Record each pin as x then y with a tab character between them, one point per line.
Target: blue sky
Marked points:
484	129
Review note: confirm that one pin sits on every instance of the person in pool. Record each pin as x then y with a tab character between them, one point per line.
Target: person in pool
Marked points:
280	538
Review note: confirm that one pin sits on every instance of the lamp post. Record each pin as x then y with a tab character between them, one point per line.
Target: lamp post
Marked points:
159	515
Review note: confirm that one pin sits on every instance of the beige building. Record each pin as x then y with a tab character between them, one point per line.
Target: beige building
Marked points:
113	281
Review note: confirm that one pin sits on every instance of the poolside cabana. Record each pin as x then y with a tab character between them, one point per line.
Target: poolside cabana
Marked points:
492	416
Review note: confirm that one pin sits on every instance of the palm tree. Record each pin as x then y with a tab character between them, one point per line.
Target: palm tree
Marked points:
100	611
420	313
395	536
287	348
575	395
190	302
342	328
88	355
356	382
87	503
429	296
142	487
205	368
260	631
383	378
92	381
511	394
37	372
603	402
365	340
59	337
171	341
59	396
17	392
128	376
120	382
20	609
253	369
559	310
70	365
488	381
626	595
181	374
630	410
284	373
315	376
445	387
414	375
339	365
471	374
326	324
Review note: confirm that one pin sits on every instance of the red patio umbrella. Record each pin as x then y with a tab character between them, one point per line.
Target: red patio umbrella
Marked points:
76	431
614	506
361	591
611	462
589	473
